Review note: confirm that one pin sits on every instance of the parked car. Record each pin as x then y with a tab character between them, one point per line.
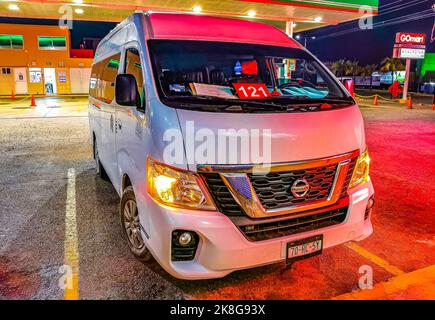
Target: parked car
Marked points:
427	87
165	85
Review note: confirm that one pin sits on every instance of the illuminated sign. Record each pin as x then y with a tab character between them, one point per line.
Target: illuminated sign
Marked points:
410	53
252	90
410	45
411	38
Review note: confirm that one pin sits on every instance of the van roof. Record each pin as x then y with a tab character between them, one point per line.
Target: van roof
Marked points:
180	26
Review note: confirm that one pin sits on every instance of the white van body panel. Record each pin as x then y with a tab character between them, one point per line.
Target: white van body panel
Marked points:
294	136
126	137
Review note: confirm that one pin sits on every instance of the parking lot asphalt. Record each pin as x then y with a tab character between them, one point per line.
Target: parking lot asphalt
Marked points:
39	146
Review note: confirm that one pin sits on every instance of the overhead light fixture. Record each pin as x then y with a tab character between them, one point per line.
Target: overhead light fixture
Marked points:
13	7
78	1
197	9
251	13
318	19
79	11
294	25
298	37
313	38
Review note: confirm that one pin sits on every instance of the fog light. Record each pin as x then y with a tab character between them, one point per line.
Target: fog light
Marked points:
185	239
184	245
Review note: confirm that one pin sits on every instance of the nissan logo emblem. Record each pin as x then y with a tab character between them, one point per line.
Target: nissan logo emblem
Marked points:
300	188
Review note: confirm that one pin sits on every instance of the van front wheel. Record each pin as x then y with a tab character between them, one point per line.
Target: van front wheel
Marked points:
131	226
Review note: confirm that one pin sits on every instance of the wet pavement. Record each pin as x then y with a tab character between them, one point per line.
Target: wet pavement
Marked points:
39	145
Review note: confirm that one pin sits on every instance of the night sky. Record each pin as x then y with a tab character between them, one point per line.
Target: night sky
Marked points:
365	46
371	46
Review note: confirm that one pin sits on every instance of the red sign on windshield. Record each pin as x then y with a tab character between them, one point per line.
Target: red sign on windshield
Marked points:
252	90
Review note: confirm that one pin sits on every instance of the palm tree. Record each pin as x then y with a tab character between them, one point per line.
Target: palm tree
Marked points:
339	67
392	65
352	69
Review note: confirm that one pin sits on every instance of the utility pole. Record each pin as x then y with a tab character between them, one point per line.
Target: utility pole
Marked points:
406	85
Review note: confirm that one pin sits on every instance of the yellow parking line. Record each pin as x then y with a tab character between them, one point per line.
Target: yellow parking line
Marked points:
419	284
374	258
71	253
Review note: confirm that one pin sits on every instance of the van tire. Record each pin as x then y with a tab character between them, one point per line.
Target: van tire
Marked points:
131	226
99	169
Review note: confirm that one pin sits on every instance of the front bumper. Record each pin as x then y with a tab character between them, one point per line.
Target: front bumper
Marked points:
223	248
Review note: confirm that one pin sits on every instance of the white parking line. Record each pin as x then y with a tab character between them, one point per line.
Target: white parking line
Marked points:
71	253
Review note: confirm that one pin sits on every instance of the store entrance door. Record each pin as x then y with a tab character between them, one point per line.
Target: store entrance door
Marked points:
50	81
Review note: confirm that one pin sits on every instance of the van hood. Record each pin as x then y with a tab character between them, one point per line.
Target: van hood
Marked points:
291	136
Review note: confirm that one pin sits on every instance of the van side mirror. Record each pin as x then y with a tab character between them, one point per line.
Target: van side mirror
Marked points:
126	93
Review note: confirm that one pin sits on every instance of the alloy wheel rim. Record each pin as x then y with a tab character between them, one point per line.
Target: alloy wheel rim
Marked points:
132	225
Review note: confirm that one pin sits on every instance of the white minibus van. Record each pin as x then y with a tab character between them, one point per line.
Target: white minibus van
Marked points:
230	145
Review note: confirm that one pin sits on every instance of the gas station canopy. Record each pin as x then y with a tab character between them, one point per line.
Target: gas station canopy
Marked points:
305	14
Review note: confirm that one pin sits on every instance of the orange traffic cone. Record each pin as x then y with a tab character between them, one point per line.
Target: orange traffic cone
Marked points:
375	103
410	102
33	102
13	94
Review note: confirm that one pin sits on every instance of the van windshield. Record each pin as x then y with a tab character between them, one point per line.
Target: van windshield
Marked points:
218	71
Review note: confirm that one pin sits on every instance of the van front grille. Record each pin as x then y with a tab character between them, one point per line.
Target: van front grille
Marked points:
273	188
282	228
221	195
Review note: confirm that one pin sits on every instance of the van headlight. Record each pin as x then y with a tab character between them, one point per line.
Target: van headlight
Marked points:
176	188
361	170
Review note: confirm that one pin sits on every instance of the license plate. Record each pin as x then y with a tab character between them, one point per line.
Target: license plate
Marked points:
304	248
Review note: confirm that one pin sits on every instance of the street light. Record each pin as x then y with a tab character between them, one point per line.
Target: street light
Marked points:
298	37
13	7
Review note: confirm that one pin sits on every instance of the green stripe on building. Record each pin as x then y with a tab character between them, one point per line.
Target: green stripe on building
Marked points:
342	4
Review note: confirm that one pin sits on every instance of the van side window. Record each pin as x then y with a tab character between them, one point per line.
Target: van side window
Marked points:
133	66
103	75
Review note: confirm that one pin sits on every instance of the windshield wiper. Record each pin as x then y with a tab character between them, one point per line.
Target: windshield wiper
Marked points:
235	105
308	100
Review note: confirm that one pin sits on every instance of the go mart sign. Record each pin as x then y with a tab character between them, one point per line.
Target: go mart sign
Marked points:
411	38
410	45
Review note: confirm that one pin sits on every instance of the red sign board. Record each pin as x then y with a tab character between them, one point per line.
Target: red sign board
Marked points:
252	90
411	38
411	46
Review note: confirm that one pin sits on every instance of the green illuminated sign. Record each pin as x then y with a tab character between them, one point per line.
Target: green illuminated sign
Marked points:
52	43
428	64
11	41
